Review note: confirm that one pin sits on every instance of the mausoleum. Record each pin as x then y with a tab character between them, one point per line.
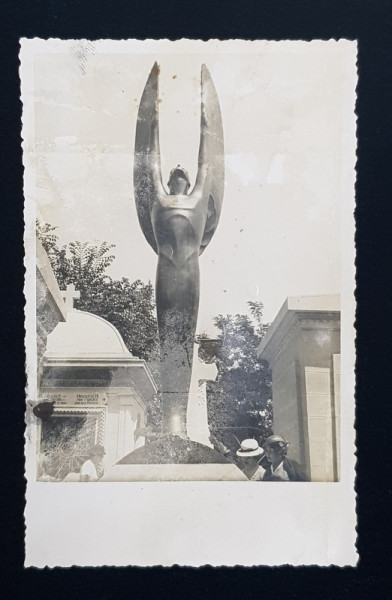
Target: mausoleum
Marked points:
302	348
100	392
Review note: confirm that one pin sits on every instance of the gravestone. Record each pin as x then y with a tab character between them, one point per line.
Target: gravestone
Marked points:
197	413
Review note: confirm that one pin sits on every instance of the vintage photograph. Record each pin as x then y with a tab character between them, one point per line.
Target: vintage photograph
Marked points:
189	239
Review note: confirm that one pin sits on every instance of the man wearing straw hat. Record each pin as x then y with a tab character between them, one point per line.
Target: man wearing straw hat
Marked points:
250	454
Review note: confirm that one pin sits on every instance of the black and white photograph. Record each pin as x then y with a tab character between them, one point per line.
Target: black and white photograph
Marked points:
189	254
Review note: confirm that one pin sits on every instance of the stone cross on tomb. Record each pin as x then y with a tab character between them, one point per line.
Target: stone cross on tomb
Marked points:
69	295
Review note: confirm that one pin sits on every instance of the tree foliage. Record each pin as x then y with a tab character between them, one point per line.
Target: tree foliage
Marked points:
239	401
129	306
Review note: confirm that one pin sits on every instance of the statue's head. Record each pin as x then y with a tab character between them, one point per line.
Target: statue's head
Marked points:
178	181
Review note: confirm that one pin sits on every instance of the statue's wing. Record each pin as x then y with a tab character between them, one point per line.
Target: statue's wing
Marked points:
210	179
147	179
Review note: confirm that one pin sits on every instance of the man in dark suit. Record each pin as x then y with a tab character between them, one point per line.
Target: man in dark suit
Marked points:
280	468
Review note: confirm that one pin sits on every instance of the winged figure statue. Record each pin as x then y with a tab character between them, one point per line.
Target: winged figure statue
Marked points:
178	224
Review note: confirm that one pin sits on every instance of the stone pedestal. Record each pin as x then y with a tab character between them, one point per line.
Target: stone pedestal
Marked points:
172	458
302	347
167	472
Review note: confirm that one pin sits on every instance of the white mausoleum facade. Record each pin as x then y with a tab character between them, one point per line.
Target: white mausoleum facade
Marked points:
98	389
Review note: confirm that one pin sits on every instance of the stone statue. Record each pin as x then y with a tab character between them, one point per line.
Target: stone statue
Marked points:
178	226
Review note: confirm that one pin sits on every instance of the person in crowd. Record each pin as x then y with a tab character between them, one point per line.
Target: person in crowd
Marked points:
219	446
250	454
91	469
280	468
45	469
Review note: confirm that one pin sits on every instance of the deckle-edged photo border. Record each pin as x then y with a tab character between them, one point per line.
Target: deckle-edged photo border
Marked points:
152	523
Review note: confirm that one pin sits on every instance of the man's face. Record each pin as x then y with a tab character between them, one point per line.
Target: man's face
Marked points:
97	458
249	461
273	454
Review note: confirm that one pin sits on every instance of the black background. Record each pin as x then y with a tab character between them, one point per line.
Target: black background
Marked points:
369	22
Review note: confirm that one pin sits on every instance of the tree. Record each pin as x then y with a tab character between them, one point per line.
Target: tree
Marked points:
130	307
239	401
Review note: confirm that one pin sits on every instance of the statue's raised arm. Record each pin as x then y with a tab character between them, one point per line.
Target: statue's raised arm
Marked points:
210	181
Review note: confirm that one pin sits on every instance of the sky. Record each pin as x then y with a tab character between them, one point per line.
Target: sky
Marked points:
287	111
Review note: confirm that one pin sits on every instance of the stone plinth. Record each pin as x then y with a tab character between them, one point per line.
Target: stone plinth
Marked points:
171	458
302	348
169	472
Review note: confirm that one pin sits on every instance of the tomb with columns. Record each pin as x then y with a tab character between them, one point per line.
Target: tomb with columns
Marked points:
302	347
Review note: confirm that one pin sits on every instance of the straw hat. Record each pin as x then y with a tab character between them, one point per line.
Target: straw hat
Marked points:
249	448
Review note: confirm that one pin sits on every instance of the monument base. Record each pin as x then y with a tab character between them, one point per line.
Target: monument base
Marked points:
172	458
